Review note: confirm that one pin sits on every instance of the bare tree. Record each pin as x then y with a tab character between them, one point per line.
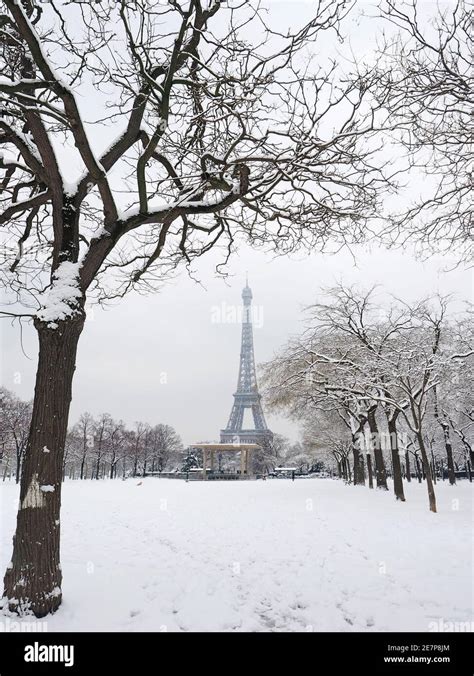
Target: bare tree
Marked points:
211	136
102	431
327	433
116	444
453	402
443	421
291	387
352	313
15	416
166	446
349	411
137	443
271	455
427	81
364	358
463	427
83	434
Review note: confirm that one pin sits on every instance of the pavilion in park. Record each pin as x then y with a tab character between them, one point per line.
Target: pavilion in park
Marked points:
208	454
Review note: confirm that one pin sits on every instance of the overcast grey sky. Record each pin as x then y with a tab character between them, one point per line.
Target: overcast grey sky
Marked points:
164	358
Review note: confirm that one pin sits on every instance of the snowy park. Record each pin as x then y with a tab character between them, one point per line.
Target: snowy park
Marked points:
237	347
278	555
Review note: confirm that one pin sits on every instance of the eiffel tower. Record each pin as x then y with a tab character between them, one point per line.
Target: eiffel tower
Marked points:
247	395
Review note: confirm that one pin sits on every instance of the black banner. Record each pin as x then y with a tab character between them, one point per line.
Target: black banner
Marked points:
85	653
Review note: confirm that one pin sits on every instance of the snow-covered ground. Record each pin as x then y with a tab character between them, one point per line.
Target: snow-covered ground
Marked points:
311	555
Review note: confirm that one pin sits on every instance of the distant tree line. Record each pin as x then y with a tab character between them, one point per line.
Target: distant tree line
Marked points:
101	447
15	416
96	447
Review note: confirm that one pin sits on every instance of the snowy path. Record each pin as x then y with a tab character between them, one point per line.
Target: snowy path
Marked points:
309	555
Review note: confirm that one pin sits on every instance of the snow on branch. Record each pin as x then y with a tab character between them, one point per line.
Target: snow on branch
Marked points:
60	301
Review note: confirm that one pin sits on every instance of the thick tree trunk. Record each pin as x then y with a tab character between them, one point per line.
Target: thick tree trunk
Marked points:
357	454
407	466
426	467
397	468
449	453
7	469
349	470
433	467
97	468
444	424
369	470
32	581
358	469
380	473
18	468
418	470
83	462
